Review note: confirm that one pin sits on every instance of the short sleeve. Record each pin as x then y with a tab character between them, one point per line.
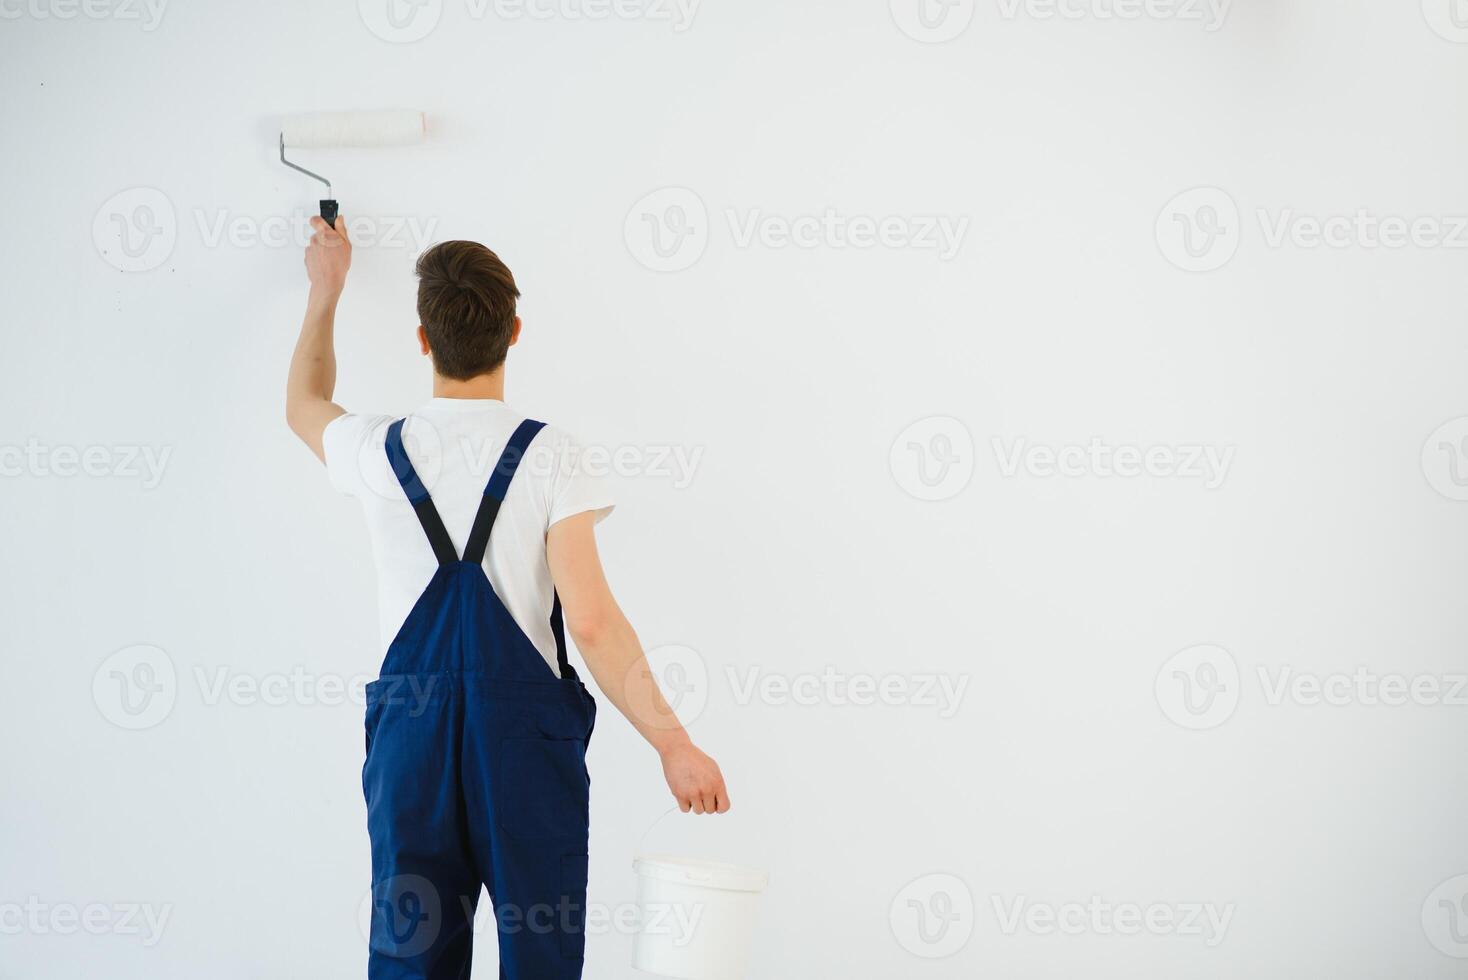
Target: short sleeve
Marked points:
575	486
345	443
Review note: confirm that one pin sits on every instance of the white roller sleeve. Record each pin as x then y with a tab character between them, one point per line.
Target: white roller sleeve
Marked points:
382	127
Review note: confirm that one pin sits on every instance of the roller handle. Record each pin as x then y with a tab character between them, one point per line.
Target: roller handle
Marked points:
329	211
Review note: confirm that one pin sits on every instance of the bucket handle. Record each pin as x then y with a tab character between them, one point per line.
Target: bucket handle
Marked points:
642	841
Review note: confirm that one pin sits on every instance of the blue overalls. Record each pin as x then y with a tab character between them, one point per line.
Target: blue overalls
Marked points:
476	769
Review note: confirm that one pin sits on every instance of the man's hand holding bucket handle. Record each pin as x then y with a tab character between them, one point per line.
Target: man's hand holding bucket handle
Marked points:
695	779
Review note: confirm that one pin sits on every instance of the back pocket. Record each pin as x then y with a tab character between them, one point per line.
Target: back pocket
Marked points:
543	791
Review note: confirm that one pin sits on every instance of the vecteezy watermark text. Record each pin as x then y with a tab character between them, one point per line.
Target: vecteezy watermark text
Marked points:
1201	230
1209	464
837	688
407	21
1202	686
669	229
676	463
1362	686
137	229
934	459
148	13
1099	917
1211	14
294	230
121	462
403	915
940	233
39	918
138	687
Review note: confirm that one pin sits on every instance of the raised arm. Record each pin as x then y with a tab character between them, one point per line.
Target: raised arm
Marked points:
308	389
611	649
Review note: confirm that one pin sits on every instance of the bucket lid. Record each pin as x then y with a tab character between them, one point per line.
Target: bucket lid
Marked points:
704	874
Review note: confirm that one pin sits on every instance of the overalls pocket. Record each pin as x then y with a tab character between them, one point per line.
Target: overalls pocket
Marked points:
544	791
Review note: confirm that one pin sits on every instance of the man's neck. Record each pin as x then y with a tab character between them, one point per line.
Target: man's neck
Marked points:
491	385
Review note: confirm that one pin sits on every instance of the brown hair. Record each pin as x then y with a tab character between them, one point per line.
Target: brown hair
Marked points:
466	303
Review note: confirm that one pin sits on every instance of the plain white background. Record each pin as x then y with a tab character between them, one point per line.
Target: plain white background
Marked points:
1122	741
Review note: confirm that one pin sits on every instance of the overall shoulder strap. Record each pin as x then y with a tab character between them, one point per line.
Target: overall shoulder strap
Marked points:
489	508
402	467
495	489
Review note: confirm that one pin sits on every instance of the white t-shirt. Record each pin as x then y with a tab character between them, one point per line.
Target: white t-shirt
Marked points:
454	444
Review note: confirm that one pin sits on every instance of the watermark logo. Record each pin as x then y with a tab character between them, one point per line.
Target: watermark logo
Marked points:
406	21
932	21
1202	229
933	458
1447	18
1198	688
38	918
1205	463
1199	229
1098	917
401	916
679	13
1445	917
834	687
149	13
400	21
1445	459
831	229
136	687
667	230
681	674
557	458
1363	229
1362	687
423	447
122	462
220	227
932	917
405	912
300	687
135	230
1210	13
677	464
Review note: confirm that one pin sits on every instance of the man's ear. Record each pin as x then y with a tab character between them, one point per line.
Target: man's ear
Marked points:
423	339
514	332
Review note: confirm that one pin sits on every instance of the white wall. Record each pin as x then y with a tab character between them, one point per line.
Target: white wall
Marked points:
1332	543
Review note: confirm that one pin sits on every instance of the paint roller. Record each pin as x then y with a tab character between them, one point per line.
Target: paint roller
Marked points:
381	127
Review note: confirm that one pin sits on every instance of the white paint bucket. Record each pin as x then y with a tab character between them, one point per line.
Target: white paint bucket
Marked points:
696	917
